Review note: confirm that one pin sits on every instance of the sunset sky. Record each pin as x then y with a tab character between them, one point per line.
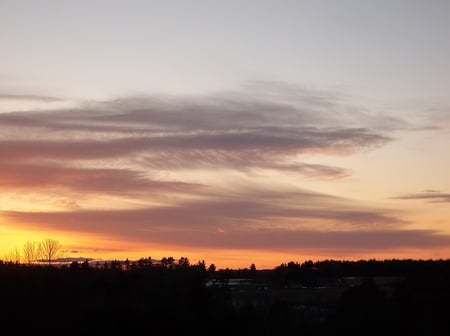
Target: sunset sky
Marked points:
234	132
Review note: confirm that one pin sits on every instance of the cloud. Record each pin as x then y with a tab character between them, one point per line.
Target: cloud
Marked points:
374	241
211	159
233	130
427	195
250	216
28	97
238	225
245	148
15	176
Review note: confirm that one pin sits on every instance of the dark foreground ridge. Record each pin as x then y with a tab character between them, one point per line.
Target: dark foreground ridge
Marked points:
390	297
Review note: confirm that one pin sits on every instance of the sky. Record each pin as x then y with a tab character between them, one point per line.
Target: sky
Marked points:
234	132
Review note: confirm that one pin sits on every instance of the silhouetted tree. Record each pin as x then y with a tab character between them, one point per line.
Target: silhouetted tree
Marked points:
167	262
85	264
14	256
127	264
144	262
74	265
115	264
50	249
211	268
30	252
183	262
202	265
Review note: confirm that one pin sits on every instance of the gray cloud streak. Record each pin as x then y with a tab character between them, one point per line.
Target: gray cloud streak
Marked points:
428	195
197	225
85	180
237	130
27	97
245	211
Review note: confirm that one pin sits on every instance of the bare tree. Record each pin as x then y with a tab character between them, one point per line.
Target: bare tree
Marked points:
13	256
30	252
50	249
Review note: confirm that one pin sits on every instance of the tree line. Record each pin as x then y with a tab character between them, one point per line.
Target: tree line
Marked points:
49	250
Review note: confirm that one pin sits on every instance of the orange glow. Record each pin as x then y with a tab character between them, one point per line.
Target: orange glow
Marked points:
103	248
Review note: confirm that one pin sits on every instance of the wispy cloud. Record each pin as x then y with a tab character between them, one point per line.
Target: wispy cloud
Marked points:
239	224
28	97
240	131
428	196
33	176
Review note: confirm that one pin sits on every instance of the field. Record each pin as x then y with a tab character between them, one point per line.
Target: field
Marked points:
320	299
